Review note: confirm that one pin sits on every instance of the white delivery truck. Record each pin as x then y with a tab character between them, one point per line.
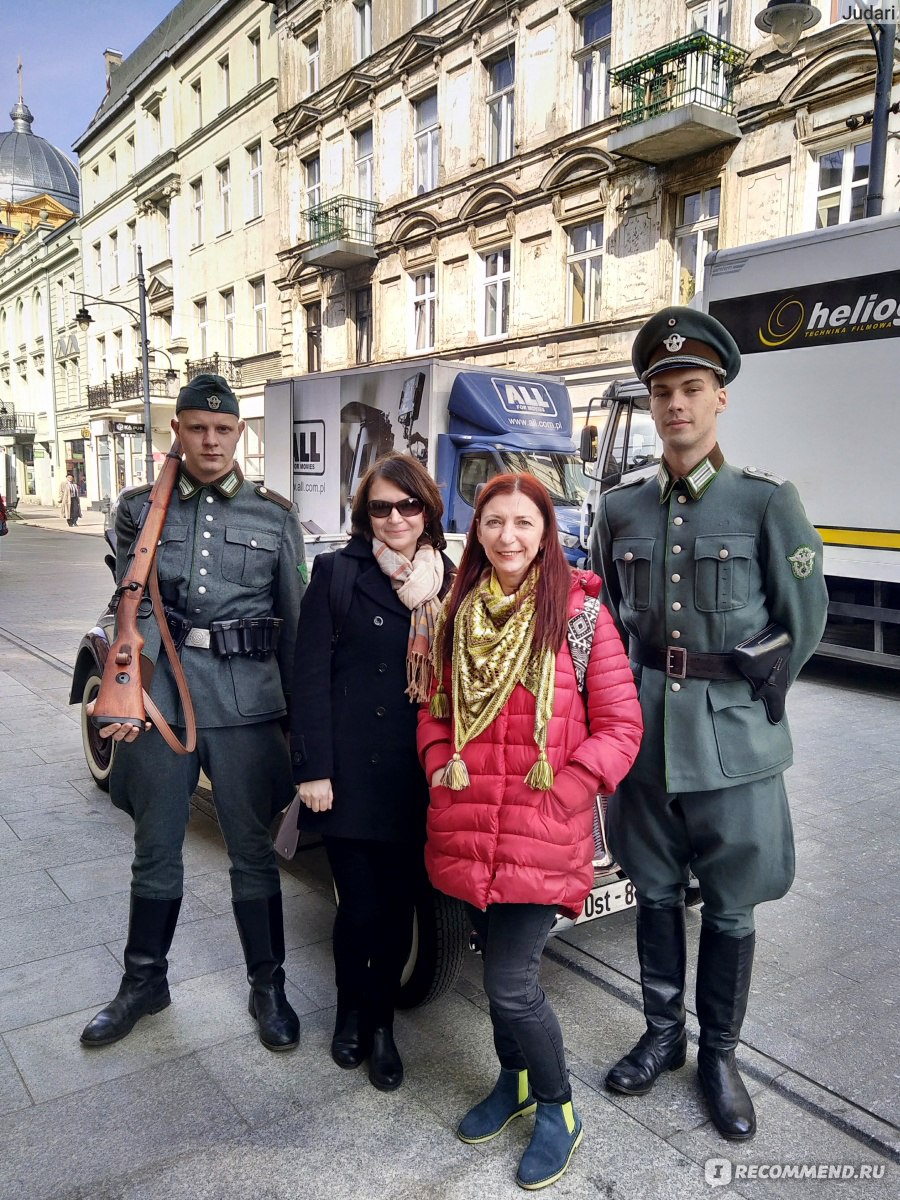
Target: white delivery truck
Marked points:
817	320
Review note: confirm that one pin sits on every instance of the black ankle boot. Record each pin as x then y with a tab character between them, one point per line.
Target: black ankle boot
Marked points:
385	1065
144	989
350	1044
661	953
724	967
261	927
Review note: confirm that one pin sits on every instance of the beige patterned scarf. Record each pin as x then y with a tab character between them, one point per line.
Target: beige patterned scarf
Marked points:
417	584
492	652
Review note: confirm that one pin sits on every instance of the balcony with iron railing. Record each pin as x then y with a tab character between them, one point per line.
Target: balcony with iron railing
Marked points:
12	422
214	364
129	386
341	232
679	100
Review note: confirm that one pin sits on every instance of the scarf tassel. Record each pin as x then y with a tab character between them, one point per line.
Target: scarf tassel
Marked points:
540	777
440	704
456	775
419	677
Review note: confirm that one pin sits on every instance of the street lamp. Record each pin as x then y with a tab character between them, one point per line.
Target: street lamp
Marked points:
83	319
786	21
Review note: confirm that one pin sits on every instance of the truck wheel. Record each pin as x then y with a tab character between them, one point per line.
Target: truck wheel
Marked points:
439	943
98	751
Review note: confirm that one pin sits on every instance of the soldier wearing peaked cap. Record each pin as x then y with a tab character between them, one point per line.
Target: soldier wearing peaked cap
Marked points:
695	564
229	561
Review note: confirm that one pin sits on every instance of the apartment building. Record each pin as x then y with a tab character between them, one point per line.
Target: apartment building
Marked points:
522	184
178	163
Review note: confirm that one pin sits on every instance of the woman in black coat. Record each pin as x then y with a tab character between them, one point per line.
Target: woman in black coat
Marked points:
362	666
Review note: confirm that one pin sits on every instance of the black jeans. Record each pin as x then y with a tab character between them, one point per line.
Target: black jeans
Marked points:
526	1029
376	884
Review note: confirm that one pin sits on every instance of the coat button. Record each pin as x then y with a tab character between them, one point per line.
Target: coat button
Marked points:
207	534
205	553
676	607
676	578
382	667
203	571
676	687
253	542
676	633
209	516
682	499
723	553
374	758
676	549
201	590
378	621
209	499
379	712
628	557
678	521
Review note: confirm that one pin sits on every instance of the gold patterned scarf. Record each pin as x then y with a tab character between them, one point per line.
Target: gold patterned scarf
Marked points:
492	652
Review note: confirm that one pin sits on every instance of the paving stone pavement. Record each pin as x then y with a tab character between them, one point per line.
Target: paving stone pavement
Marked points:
192	1106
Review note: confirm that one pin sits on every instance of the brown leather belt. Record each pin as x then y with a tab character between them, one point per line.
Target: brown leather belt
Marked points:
680	663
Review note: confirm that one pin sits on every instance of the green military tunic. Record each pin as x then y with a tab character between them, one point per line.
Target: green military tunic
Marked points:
228	550
701	564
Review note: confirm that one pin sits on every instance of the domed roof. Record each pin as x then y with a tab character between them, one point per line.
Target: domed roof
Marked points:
30	166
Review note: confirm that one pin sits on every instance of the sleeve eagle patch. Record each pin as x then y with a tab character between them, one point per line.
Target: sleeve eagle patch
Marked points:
802	562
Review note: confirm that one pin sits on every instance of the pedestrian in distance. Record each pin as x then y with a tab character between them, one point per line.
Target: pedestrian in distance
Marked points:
516	747
4	527
69	501
363	662
230	563
714	575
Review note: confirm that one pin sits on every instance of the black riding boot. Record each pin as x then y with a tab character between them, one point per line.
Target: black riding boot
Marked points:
144	989
723	984
661	952
261	927
352	1033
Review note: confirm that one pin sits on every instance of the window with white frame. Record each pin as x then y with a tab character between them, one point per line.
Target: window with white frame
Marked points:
154	129
132	249
495	293
114	259
500	108
842	184
197	211
362	28
201	322
428	143
165	222
130	159
313	318
712	15
224	83
362	315
592	65
101	358
197	103
113	171
427	8
119	351
364	163
98	266
424	310
311	53
223	186
254	448
255	182
136	349
255	48
228	320
696	234
585	271
258	291
60	308
312	180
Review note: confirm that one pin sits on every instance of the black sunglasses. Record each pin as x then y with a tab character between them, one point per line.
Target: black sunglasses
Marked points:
410	507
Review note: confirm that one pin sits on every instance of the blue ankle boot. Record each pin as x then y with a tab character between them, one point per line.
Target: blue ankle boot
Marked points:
510	1098
557	1132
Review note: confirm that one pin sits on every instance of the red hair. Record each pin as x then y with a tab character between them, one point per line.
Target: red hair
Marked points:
552	599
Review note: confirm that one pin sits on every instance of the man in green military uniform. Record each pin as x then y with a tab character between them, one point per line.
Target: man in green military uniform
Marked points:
229	560
695	562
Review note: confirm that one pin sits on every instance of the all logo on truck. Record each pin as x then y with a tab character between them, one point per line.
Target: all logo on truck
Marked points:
861	309
529	401
309	447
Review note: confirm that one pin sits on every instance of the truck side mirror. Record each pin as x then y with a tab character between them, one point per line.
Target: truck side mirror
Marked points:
589	444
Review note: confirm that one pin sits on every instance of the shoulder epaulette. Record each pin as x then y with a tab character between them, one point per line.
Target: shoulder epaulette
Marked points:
629	482
268	494
758	473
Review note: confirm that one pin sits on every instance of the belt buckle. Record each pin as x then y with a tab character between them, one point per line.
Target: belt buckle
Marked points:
676	667
198	638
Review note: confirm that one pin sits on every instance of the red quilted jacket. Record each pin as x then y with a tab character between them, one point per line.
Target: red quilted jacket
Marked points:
500	842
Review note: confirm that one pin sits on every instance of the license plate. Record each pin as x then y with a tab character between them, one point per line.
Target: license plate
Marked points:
607	898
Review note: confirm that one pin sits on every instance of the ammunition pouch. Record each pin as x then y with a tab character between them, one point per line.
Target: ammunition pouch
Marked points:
764	661
255	637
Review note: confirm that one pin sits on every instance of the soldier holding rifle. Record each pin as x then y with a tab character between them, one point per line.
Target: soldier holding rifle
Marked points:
714	573
229	561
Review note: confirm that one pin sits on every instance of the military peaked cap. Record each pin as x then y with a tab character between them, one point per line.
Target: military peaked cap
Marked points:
683	337
210	393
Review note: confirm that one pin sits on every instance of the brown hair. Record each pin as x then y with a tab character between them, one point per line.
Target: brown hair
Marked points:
407	474
552	598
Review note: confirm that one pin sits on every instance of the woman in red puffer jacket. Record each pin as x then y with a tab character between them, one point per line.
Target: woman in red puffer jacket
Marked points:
515	763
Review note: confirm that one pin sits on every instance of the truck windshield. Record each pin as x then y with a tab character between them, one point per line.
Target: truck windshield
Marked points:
561	474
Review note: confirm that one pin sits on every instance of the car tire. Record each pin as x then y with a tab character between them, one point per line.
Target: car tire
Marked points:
98	752
440	942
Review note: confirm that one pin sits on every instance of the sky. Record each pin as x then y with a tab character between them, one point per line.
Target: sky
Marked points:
61	44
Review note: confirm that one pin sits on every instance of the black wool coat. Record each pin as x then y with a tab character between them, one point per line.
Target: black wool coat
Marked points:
352	722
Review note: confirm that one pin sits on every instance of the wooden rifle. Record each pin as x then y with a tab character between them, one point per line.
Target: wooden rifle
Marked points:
121	699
